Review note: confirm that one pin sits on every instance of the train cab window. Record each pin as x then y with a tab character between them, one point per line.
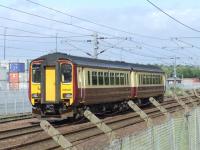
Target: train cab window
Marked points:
36	73
112	79
94	78
100	78
106	78
66	73
117	78
122	78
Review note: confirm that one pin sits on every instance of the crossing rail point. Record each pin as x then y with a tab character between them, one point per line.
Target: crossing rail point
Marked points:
101	125
141	113
160	107
56	135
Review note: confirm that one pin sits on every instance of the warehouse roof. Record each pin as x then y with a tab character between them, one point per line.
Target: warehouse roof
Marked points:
91	62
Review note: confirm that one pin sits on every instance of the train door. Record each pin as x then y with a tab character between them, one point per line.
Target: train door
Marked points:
50	84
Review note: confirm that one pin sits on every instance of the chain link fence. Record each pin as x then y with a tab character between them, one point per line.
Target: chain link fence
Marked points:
14	102
182	133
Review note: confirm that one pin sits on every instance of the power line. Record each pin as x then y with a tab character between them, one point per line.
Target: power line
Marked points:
17	29
45	37
130	51
40	26
183	24
101	25
53	20
17	48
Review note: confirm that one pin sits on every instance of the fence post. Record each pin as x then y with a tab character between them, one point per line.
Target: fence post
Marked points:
180	102
189	98
141	113
160	107
56	135
195	93
101	125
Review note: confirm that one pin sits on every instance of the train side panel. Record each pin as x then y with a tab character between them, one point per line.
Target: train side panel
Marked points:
95	85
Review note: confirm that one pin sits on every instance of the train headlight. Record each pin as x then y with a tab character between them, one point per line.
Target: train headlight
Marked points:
67	95
36	95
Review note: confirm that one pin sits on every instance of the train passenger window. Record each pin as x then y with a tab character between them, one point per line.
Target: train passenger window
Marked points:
88	77
66	73
112	79
154	79
36	73
147	79
117	78
100	78
106	78
127	79
144	79
94	78
122	78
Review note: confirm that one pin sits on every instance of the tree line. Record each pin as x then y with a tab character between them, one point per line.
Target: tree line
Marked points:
182	71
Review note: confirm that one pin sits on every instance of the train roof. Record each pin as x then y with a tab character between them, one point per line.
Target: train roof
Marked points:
91	62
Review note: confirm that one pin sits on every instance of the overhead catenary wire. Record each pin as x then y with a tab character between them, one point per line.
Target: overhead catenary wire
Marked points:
45	37
40	26
17	29
135	53
98	24
53	20
173	18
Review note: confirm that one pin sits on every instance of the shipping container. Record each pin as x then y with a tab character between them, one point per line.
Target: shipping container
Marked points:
3	74
23	77
23	85
13	86
14	77
16	67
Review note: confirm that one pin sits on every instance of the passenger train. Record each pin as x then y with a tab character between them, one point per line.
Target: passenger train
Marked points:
63	86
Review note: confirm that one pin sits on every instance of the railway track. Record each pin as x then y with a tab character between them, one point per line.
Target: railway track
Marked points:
33	137
17	117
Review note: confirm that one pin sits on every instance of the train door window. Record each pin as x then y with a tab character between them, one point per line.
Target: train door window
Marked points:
36	73
94	78
100	78
112	78
122	78
66	73
117	78
88	77
106	78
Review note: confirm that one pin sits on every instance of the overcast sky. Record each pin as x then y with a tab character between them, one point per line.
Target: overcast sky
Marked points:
135	16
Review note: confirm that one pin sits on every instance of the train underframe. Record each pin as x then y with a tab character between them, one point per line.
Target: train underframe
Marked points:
61	111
